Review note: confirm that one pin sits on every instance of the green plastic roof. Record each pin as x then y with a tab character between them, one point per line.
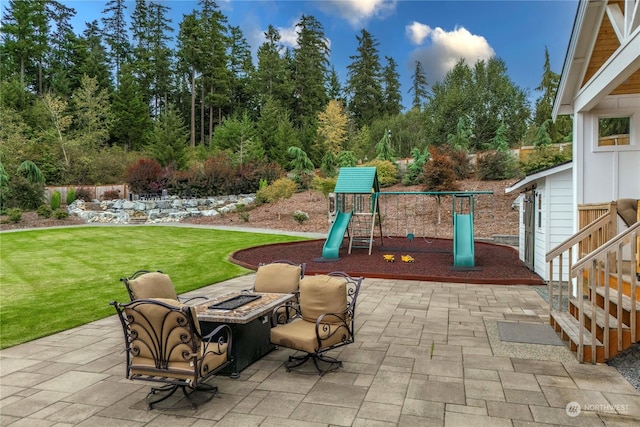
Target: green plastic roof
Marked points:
359	180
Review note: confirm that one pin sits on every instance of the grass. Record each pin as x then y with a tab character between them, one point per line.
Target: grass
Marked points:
52	280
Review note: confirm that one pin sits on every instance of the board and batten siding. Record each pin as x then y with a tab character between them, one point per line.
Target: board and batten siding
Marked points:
559	222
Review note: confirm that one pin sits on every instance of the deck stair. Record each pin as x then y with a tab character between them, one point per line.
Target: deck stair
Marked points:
600	318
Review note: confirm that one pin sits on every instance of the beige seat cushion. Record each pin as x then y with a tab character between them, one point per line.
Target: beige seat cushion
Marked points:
153	285
322	294
301	335
278	278
180	358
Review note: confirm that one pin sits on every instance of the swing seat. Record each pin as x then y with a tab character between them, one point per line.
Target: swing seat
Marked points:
410	237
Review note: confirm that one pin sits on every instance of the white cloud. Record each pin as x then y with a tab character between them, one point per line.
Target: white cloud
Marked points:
358	12
417	32
443	49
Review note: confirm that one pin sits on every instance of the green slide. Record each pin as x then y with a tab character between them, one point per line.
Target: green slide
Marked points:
463	249
336	235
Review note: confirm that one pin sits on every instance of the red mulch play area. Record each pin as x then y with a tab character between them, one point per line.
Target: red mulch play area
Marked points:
494	264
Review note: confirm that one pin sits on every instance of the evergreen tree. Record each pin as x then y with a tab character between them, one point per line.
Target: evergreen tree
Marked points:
168	139
92	57
392	96
190	63
364	87
216	77
310	70
115	34
131	115
334	89
419	86
61	73
272	77
24	41
544	104
241	68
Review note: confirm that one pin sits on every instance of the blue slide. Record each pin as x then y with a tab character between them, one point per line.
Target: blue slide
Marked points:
336	235
463	248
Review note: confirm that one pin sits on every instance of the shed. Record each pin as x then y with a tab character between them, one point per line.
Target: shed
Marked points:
546	215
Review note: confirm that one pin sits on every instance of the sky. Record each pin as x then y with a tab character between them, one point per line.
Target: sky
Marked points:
436	33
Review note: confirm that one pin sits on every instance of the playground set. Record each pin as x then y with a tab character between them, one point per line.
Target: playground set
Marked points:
355	212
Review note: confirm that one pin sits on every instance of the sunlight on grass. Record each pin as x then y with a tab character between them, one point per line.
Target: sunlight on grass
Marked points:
55	279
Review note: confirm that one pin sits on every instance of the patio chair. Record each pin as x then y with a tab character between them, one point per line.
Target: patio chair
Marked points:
145	284
323	321
164	344
281	276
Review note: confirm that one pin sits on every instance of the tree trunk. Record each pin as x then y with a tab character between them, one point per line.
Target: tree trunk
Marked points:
193	108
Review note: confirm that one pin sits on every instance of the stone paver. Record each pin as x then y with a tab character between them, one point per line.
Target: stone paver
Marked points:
425	355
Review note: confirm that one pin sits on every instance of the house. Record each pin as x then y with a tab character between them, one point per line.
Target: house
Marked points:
600	88
546	215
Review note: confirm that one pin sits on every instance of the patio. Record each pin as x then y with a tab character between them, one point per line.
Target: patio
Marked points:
426	353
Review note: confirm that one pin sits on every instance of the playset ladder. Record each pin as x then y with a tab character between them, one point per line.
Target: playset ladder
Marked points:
362	228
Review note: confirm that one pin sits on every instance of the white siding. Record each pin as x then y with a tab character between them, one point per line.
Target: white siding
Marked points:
540	229
560	216
611	173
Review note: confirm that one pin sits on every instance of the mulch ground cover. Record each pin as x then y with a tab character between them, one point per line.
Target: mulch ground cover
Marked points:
432	261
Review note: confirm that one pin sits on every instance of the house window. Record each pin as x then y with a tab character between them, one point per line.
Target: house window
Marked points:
613	131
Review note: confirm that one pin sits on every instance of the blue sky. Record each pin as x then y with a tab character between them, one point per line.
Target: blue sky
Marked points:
437	33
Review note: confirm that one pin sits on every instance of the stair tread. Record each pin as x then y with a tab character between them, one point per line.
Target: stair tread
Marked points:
599	315
613	297
571	327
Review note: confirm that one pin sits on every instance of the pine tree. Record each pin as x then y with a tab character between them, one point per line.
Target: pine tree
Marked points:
115	34
544	104
310	70
364	87
190	63
168	139
334	89
392	96
61	74
24	41
241	68
272	77
131	114
419	86
92	57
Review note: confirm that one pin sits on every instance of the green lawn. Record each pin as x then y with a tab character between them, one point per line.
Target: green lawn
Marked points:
55	279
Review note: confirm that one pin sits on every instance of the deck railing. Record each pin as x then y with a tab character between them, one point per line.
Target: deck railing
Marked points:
595	269
601	227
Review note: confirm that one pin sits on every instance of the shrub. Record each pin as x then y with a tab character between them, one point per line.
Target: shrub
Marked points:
300	216
44	211
145	176
14	214
324	185
83	194
60	214
545	156
387	172
438	173
56	200
461	163
497	166
71	195
111	195
282	188
243	214
23	194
